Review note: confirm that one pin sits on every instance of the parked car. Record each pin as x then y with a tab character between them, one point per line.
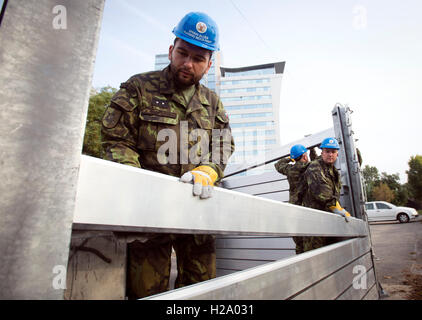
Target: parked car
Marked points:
381	211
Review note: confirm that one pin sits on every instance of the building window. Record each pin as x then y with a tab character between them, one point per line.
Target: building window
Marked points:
245	98
253	133
240	142
257	72
252	124
248	81
249	106
251	115
253	89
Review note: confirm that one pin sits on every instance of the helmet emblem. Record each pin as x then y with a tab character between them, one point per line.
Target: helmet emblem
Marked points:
201	27
331	141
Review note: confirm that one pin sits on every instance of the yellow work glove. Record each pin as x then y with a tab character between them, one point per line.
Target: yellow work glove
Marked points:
337	209
203	178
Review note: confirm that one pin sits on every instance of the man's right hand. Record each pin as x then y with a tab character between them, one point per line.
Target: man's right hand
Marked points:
337	209
202	178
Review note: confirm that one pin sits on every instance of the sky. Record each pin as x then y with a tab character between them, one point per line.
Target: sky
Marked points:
366	55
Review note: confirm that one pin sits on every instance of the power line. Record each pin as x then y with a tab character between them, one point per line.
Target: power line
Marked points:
250	25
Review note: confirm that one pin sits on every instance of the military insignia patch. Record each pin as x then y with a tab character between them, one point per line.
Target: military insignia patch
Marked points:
201	27
160	103
111	117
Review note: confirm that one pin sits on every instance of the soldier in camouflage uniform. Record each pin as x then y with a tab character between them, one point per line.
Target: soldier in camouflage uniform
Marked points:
293	168
322	183
148	125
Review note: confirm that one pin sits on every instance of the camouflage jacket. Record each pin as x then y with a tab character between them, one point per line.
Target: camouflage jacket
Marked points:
148	124
294	173
322	184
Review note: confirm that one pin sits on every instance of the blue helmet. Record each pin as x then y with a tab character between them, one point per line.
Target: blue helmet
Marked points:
198	29
297	150
329	143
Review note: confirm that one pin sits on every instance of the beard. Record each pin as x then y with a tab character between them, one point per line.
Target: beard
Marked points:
184	79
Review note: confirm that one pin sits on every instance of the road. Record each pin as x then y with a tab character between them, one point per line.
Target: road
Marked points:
398	258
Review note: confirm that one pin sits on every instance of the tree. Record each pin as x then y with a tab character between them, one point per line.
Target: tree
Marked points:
383	193
401	197
96	108
399	190
372	179
414	177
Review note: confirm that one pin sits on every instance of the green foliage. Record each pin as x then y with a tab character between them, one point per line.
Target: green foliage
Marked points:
98	102
399	191
414	177
401	197
372	179
382	192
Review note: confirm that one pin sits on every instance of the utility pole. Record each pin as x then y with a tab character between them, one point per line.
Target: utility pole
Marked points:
47	53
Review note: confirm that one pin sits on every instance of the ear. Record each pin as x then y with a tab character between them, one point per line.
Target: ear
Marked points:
209	65
170	51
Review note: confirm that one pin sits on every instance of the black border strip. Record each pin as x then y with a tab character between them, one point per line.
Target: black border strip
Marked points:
3	10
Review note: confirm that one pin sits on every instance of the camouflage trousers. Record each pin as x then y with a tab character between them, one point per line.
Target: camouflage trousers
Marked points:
149	262
299	244
311	243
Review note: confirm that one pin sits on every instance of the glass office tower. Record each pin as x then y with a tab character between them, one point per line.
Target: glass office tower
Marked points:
251	97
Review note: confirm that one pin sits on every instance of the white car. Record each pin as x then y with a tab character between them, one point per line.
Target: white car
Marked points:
381	211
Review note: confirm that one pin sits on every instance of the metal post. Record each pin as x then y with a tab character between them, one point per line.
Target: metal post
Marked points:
353	198
47	50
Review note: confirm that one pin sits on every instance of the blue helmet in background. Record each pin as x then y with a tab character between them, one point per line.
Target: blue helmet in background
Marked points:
329	143
297	150
198	29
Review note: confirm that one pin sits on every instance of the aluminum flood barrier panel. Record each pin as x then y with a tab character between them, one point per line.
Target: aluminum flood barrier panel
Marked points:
116	197
324	273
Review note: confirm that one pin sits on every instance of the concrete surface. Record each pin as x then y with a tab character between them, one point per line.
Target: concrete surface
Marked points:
398	258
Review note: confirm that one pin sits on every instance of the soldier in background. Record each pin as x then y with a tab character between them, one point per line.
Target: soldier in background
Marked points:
322	183
162	108
293	168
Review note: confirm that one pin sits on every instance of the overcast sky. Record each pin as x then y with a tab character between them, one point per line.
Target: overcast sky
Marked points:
365	54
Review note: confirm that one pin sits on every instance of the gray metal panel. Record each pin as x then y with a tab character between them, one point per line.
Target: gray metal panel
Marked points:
45	81
372	293
240	253
276	280
337	283
255	243
223	272
254	254
228	266
139	204
277	196
277	186
236	181
353	294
